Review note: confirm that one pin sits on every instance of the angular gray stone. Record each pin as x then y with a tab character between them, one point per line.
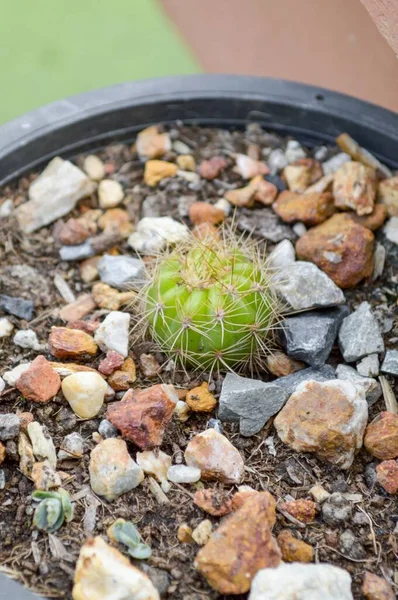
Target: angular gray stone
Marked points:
17	306
310	337
107	430
9	426
371	387
360	335
250	402
302	286
283	254
336	510
121	272
264	223
79	252
390	362
369	366
290	382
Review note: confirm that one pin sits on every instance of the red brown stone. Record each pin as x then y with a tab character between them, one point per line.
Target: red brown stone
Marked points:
210	169
354	187
294	550
142	415
73	232
376	588
372	221
203	212
381	436
71	343
213	501
302	510
387	475
110	363
40	383
310	209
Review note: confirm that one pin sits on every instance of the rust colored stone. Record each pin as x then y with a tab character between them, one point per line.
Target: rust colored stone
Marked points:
280	365
241	497
213	501
240	547
78	309
210	169
340	247
199	399
107	297
376	588
373	221
388	195
184	534
381	436
310	209
123	379
116	219
142	415
149	366
302	173
242	196
40	383
387	475
89	327
215	456
71	343
265	191
156	170
206	231
302	510
294	550
203	212
3	453
354	187
73	232
110	363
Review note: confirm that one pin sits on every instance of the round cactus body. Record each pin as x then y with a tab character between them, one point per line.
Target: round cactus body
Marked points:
210	304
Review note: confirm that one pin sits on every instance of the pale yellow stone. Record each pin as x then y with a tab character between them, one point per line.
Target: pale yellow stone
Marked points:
94	167
155	462
202	532
85	393
110	193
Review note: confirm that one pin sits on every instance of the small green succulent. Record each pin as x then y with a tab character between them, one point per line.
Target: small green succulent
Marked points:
209	303
54	508
125	532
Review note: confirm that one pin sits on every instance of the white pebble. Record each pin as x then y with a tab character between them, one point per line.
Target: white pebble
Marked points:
299	229
27	338
277	161
110	193
391	230
6	327
113	333
282	255
85	392
2	384
94	167
155	233
183	474
11	377
6	208
224	205
294	151
181	148
182	411
334	163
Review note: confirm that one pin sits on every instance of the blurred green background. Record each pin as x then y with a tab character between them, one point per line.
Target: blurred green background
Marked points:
50	49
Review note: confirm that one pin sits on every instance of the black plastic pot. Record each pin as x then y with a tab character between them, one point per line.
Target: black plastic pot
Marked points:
88	121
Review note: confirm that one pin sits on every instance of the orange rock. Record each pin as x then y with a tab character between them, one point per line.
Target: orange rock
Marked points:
65	369
40	383
107	297
341	248
301	174
88	269
388	195
123	379
156	170
302	510
71	343
310	209
186	162
199	399
3	452
373	221
88	326
116	219
242	496
213	501
73	232
240	547
110	363
248	167
82	306
203	212
265	191
279	364
354	187
381	436
149	366
151	143
387	475
184	534
215	456
142	415
210	169
294	550
242	196
376	588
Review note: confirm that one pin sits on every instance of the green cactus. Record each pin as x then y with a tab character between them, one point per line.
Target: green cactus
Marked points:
54	508
209	303
125	532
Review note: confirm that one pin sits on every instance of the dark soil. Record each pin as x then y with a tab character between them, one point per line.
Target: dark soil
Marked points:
35	558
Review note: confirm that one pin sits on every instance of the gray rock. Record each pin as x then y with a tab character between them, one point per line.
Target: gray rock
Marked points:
9	426
360	335
79	252
277	160
294	151
17	306
369	366
334	163
303	286
310	337
371	387
336	509
53	194
215	424
159	577
121	272
350	546
71	447
2	479
264	223
391	230
390	362
290	382
249	401
107	430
